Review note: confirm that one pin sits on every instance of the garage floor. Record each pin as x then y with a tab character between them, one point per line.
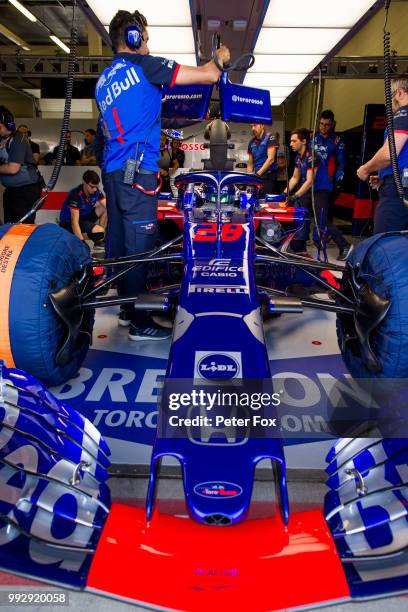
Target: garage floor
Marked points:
312	334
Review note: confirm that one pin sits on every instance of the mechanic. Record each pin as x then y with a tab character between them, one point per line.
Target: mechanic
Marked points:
35	148
391	213
301	180
168	164
18	171
329	146
84	210
178	152
129	97
262	150
71	156
88	157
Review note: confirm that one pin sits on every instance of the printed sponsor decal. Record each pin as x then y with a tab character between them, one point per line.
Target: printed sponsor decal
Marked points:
230	289
218	268
218	365
183	96
217	490
119	392
115	88
192	146
236	98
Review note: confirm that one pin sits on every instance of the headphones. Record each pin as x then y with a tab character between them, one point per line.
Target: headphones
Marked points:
7	119
134	34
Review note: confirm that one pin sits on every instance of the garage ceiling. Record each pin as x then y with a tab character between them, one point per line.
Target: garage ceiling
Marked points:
55	14
289	37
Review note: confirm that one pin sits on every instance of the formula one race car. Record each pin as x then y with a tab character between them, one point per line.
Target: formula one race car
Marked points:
219	416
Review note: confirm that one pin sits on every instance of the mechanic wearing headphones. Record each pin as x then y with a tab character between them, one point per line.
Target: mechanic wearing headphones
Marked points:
391	213
18	171
329	146
262	150
129	97
302	179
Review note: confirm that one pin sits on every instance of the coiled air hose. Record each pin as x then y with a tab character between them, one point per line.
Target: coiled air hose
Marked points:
65	120
316	116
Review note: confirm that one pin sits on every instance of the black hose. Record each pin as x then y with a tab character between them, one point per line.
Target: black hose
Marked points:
65	120
388	110
67	109
240	63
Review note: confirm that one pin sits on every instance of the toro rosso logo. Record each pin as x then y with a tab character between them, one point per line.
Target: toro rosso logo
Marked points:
217	490
217	366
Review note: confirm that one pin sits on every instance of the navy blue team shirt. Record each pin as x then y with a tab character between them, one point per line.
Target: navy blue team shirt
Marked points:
77	199
129	97
400	127
332	161
259	151
304	163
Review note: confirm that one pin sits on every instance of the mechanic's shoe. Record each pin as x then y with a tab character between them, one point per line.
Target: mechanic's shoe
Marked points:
344	252
125	318
99	246
149	332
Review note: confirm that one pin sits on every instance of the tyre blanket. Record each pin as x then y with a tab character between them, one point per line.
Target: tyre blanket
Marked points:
382	262
35	261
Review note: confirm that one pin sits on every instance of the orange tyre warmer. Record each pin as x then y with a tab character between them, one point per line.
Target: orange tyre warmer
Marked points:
11	245
35	261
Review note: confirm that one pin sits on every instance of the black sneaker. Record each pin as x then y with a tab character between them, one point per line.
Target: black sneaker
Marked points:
124	318
99	246
149	332
344	252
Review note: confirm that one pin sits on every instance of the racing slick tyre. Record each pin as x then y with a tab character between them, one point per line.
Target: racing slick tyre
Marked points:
380	263
36	261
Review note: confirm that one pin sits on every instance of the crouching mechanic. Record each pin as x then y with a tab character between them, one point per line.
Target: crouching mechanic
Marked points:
84	210
129	97
301	181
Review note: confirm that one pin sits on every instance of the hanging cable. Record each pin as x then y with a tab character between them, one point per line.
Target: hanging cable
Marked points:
285	150
65	120
388	107
316	115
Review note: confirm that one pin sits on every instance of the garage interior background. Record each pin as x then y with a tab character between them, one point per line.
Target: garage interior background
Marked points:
32	69
32	66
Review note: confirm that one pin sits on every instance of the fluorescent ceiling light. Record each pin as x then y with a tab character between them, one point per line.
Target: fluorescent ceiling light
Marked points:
156	13
170	42
298	40
277	101
14	38
23	10
277	92
59	43
33	92
274	79
285	63
317	13
179	40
